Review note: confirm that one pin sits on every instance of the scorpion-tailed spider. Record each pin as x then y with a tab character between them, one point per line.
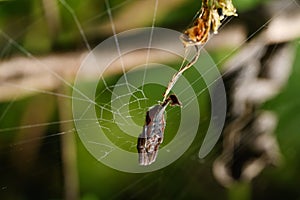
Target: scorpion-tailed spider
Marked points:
153	130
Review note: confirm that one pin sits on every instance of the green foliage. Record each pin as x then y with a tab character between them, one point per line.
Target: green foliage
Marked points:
188	177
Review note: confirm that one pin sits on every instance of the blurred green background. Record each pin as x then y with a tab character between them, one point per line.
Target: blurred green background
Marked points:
32	161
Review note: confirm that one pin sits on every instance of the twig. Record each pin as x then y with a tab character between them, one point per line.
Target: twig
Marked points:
68	148
180	72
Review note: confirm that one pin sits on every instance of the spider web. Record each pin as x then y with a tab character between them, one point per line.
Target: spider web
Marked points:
20	133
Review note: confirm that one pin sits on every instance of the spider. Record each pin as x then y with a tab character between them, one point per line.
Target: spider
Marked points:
153	131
